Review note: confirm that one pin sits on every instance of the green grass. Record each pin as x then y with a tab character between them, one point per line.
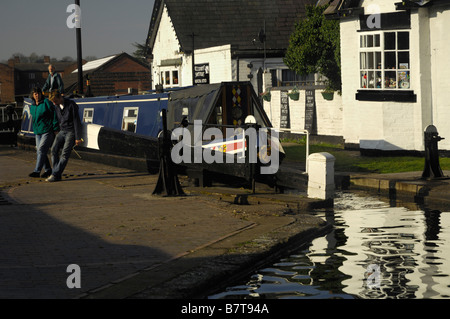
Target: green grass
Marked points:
347	161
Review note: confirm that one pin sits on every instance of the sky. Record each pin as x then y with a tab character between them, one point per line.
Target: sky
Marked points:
40	26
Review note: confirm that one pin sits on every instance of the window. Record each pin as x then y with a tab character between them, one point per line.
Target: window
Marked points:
175	77
88	115
384	61
290	78
169	78
129	122
286	77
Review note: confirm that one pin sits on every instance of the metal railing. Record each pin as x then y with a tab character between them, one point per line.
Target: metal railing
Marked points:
305	132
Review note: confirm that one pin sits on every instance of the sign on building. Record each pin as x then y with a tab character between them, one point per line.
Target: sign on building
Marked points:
310	111
285	120
201	73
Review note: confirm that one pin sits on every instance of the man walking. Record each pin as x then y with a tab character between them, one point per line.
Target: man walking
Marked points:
54	81
70	133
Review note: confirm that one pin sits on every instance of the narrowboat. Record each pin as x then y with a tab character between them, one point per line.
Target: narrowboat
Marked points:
126	130
9	124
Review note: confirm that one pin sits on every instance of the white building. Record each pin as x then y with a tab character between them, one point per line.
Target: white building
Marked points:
236	40
395	68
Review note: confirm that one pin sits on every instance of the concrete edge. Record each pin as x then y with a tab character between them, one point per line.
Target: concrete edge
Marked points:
420	192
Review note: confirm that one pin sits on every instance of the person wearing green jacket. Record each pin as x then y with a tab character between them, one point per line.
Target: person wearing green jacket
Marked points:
45	125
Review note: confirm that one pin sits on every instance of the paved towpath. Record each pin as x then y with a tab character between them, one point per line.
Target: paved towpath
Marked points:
105	220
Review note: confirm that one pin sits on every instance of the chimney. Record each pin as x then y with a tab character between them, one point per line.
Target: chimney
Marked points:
46	59
16	60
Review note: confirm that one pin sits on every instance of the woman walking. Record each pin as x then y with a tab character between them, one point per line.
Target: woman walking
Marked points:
45	124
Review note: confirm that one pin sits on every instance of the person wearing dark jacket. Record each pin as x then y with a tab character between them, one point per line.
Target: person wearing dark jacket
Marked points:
54	81
69	135
45	124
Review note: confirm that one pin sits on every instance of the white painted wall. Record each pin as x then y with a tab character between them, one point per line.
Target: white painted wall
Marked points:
372	6
372	125
440	68
395	125
329	113
220	64
166	47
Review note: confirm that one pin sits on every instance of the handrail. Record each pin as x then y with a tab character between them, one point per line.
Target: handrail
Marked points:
306	132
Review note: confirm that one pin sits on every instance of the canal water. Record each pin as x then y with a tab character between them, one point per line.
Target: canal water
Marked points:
375	251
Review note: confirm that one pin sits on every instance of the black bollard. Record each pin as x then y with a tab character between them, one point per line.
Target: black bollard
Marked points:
432	168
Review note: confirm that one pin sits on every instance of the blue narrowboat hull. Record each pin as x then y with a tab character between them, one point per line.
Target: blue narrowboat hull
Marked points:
124	130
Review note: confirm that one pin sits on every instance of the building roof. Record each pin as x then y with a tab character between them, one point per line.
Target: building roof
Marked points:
71	79
235	22
343	8
42	67
92	65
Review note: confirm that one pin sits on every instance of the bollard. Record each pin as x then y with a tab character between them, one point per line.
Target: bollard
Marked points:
432	168
321	175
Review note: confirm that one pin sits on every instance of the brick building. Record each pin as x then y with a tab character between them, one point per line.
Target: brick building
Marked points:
116	74
29	75
6	84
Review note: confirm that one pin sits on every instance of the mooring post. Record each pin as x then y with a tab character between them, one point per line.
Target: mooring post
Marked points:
432	167
321	175
168	182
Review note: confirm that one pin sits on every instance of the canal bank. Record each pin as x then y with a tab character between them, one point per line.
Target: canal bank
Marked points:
128	243
407	187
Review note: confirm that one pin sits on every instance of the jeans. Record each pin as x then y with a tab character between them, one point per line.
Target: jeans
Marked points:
43	144
65	140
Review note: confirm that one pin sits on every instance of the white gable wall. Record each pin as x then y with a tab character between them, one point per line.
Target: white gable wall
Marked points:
166	47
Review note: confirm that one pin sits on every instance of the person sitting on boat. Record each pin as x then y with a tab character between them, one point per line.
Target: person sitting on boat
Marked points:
54	81
45	124
70	134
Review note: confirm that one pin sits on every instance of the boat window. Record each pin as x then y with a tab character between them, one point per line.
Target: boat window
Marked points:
129	122
219	116
88	115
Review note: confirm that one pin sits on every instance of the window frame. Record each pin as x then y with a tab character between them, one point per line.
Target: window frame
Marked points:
375	70
281	79
168	78
88	117
126	119
383	93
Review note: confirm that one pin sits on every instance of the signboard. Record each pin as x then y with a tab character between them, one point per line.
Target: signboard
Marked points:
201	73
310	111
285	120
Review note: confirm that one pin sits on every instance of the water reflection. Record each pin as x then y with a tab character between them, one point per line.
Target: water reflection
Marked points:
374	251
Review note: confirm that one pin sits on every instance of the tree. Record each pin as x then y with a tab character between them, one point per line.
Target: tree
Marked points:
314	47
140	52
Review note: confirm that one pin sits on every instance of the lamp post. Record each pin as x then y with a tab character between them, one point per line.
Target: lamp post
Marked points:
79	56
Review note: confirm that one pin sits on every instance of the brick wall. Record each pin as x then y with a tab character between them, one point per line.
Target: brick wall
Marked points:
119	76
6	84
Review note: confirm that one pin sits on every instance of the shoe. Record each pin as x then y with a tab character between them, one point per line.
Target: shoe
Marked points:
46	174
34	174
53	178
